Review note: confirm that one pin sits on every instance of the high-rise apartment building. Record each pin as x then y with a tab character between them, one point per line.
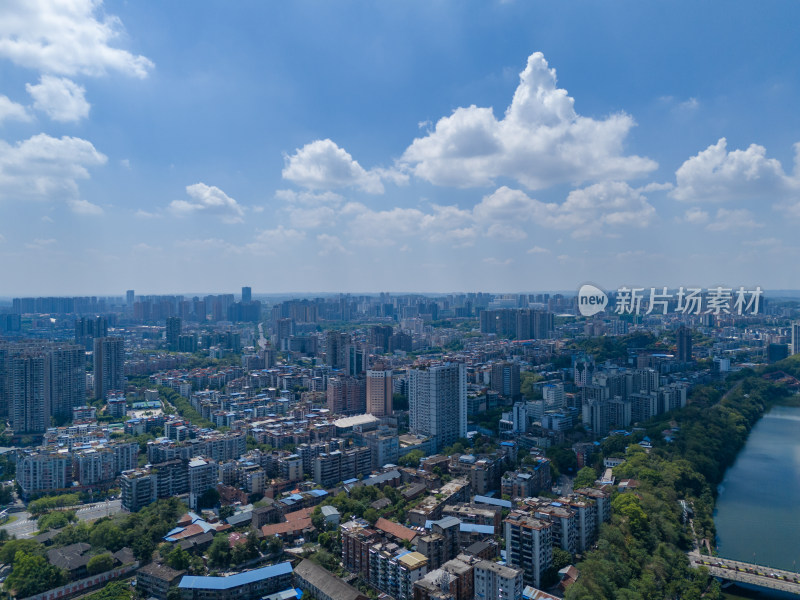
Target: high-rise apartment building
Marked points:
66	379
336	349
379	392
529	546
347	395
684	343
795	348
109	360
174	327
247	295
356	361
40	380
86	330
494	581
27	391
505	379
438	402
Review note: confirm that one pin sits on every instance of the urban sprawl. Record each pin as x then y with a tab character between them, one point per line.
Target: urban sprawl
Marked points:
403	446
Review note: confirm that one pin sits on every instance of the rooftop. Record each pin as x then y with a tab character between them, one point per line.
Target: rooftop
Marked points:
232	581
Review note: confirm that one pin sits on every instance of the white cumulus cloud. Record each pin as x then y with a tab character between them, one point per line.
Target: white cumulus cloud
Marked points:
588	210
46	167
719	175
540	141
11	111
65	37
60	98
322	165
209	199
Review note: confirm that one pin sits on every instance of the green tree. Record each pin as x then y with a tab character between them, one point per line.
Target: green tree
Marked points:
9	550
411	459
208	499
226	511
219	553
274	544
56	520
561	559
399	402
371	515
116	590
143	548
33	574
179	558
585	478
100	563
564	459
73	534
107	535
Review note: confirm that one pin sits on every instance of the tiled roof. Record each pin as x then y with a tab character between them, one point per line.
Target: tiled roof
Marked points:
395	529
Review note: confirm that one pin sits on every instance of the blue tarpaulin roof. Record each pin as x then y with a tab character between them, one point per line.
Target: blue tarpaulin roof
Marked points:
232	581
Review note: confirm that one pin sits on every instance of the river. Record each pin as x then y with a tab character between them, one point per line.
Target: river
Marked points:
757	516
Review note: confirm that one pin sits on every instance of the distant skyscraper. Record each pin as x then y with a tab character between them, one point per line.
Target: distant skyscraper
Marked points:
684	339
247	295
109	360
356	361
379	392
129	298
173	332
437	401
87	329
336	349
795	337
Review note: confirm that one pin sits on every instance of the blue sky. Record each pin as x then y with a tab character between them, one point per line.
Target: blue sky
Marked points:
397	146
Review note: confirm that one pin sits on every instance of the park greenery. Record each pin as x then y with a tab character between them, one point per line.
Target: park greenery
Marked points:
49	503
141	531
183	406
641	554
56	520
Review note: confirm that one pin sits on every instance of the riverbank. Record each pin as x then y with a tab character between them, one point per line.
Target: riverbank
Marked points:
642	553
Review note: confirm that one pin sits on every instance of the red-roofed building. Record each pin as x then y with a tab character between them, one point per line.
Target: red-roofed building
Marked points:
395	530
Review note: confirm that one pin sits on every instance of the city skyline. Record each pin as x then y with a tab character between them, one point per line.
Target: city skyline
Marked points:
367	148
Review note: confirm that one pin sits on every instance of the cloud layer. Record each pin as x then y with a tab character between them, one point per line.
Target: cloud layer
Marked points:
541	141
44	166
717	175
322	165
60	98
208	199
67	37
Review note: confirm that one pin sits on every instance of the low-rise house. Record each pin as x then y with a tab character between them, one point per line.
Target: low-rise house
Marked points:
155	579
249	585
322	585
